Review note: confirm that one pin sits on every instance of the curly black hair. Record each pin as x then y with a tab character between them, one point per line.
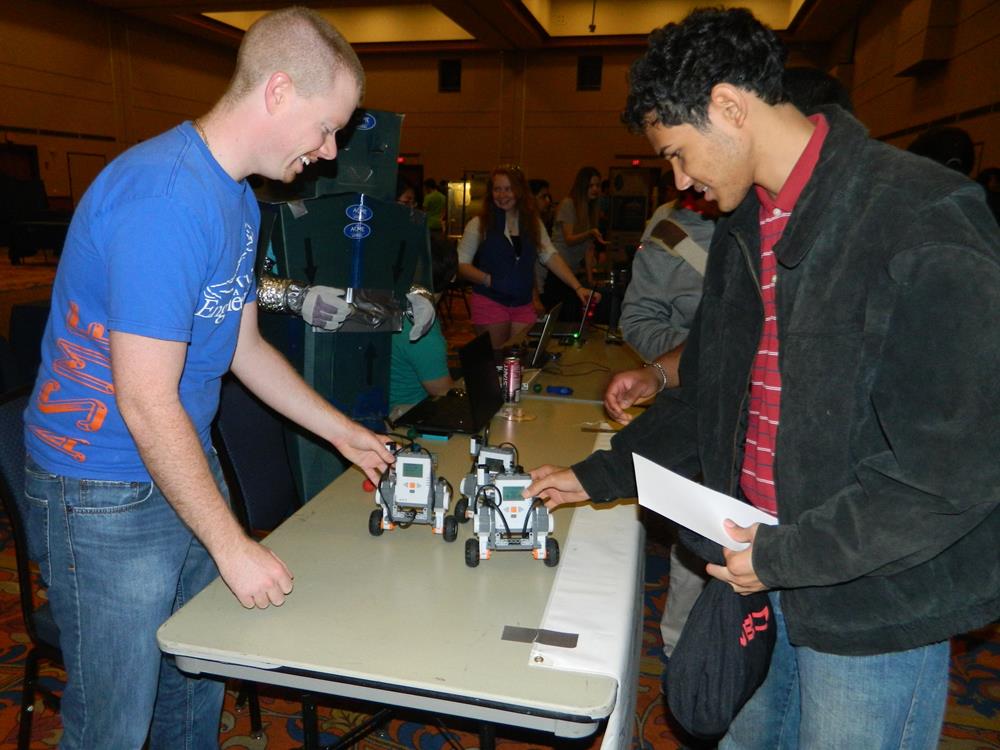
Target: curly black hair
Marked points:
671	83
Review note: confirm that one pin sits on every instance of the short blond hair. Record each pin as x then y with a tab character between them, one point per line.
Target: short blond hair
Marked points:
296	41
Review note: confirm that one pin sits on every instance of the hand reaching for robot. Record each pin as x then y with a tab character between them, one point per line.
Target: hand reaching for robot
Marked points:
557	485
325	307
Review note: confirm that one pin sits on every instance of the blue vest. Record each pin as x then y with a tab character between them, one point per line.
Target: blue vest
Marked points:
496	256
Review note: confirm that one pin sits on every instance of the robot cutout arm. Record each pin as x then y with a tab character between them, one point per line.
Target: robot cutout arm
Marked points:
321	306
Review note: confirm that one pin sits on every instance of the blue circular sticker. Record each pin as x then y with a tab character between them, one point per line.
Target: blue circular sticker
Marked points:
359	212
357	231
367	122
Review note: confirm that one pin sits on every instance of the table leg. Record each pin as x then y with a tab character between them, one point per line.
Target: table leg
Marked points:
487	736
310	723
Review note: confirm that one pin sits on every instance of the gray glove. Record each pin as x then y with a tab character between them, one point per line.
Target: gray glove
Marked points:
325	307
421	311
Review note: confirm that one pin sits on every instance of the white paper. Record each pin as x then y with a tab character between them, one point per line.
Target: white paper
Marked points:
692	505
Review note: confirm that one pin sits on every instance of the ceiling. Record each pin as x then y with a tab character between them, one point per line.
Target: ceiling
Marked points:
407	25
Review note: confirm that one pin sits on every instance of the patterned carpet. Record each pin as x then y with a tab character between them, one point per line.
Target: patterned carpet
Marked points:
972	722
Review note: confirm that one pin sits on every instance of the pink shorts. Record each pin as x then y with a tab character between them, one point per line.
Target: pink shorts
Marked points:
487	312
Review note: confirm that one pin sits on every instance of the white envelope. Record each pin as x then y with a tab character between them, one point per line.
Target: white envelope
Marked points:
692	505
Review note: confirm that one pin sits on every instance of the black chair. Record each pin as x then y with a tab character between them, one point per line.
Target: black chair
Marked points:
42	629
10	379
27	327
457	289
251	444
250	438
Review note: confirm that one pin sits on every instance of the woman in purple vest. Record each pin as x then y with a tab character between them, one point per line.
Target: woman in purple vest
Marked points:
497	254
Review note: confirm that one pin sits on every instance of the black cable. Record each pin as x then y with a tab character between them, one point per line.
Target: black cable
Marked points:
514	448
388	506
561	374
480	491
528	516
494	505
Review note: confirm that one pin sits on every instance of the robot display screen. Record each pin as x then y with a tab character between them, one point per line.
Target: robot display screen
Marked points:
413	470
512	492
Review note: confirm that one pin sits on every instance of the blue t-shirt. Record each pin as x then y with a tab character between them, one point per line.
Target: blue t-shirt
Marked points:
162	245
414	362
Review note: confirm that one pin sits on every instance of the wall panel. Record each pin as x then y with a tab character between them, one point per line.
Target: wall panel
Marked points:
76	77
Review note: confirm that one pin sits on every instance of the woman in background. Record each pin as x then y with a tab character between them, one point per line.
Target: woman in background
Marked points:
497	254
574	234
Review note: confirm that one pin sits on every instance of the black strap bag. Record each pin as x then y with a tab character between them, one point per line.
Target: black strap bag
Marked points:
723	653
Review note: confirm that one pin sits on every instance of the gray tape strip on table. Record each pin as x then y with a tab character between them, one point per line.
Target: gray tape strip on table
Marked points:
536	635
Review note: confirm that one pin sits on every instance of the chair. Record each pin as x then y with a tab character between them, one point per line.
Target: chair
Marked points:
27	328
251	442
41	627
254	458
10	380
456	289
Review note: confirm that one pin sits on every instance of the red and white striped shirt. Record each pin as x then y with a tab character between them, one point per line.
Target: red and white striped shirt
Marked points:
757	477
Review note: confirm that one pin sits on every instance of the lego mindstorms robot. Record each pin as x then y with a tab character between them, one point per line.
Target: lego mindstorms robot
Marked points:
501	518
409	493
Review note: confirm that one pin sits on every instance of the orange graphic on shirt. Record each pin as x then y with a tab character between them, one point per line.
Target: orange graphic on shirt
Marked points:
61	443
74	361
94	331
77	363
94	411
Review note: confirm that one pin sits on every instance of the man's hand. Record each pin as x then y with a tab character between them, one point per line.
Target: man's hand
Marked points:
738	571
628	387
421	310
325	307
556	484
255	575
365	449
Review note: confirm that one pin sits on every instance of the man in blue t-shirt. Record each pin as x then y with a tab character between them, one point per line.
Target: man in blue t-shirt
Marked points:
153	302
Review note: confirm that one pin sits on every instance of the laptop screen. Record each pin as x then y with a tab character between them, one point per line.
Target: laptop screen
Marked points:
481	381
538	356
583	317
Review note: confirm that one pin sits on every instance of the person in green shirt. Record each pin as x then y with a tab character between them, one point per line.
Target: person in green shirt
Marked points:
420	368
433	205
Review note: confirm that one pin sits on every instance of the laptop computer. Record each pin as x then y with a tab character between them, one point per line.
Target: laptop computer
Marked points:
567	330
465	411
536	357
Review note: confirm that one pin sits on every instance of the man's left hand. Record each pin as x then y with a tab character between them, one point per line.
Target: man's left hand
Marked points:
738	571
421	310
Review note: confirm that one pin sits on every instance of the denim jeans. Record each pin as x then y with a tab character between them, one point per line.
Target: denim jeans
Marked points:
118	561
818	701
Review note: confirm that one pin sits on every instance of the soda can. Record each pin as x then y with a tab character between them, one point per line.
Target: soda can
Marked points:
511	379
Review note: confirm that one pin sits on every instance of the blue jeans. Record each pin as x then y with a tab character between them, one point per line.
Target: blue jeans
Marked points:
815	701
118	561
